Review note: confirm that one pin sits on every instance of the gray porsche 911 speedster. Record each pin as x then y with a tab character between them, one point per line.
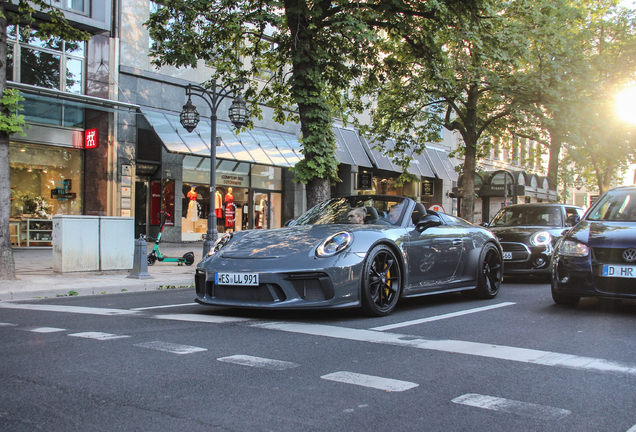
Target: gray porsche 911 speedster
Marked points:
363	251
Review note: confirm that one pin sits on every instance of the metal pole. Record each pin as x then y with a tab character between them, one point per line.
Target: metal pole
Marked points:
213	234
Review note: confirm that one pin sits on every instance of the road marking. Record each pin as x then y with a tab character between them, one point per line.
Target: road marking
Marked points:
371	381
69	309
98	335
542	412
45	329
632	429
441	317
170	347
7	325
501	352
162	307
258	362
213	319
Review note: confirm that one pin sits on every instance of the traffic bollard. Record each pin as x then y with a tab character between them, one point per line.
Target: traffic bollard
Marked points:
140	264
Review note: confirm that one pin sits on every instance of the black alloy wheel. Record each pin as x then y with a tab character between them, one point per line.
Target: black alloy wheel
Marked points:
489	274
381	282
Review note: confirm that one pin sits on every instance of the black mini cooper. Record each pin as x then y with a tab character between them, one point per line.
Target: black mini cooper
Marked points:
528	234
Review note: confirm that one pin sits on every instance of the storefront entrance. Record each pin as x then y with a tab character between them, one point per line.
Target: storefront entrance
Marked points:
266	209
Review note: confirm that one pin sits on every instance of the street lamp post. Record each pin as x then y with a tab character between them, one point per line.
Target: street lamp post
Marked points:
238	113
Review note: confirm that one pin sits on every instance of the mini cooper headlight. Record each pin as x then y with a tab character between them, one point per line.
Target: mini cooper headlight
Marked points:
540	238
573	249
334	244
218	245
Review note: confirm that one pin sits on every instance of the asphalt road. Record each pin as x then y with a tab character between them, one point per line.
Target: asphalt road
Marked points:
155	361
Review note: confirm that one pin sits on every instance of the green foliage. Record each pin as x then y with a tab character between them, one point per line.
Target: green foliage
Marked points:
10	121
309	52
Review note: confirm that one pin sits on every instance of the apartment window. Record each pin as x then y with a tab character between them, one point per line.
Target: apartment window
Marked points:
53	63
78	6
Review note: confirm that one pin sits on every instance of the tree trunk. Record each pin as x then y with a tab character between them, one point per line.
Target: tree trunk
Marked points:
319	167
470	135
7	263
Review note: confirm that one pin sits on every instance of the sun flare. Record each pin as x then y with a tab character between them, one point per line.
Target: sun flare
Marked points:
626	105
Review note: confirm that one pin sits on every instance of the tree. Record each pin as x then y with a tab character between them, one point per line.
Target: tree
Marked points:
312	51
570	68
48	21
464	76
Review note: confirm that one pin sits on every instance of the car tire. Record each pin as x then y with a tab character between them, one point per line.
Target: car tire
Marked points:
381	283
564	299
489	275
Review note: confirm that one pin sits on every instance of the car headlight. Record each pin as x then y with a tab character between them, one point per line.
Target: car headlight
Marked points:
540	238
334	244
573	249
218	245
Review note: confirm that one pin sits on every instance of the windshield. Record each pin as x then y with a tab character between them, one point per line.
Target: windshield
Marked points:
617	205
528	216
360	209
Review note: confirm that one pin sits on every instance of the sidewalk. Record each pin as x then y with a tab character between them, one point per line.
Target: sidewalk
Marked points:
36	279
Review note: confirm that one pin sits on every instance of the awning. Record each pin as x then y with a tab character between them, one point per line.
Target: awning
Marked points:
379	159
262	146
421	163
441	164
349	139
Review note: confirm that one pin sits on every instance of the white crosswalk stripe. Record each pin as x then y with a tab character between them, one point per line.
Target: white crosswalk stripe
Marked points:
69	309
526	409
170	347
501	352
258	362
212	319
98	335
386	384
7	324
44	329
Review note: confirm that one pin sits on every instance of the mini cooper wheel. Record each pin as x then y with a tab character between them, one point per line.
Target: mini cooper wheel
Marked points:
490	274
381	282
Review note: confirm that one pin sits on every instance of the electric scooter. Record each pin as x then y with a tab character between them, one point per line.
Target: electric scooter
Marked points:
155	255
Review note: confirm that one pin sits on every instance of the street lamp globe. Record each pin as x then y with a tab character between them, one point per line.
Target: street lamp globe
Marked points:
578	183
189	116
238	113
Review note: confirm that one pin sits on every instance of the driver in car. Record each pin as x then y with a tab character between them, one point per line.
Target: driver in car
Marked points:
356	215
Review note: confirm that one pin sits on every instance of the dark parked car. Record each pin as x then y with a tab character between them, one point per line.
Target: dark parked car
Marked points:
597	258
528	234
323	260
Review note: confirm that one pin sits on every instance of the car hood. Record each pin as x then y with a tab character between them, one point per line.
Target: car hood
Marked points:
605	234
522	233
285	242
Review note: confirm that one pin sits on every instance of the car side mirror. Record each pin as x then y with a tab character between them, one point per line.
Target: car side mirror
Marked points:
428	221
290	222
572	220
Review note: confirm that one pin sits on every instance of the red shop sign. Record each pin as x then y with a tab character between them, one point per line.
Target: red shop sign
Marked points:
91	138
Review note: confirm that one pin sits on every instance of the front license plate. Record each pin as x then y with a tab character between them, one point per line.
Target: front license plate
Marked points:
507	255
250	279
619	271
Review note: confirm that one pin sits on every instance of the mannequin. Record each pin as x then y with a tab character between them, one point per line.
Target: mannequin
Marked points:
218	205
229	209
193	206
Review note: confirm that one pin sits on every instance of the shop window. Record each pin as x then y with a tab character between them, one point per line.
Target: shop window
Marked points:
45	180
267	177
167	203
